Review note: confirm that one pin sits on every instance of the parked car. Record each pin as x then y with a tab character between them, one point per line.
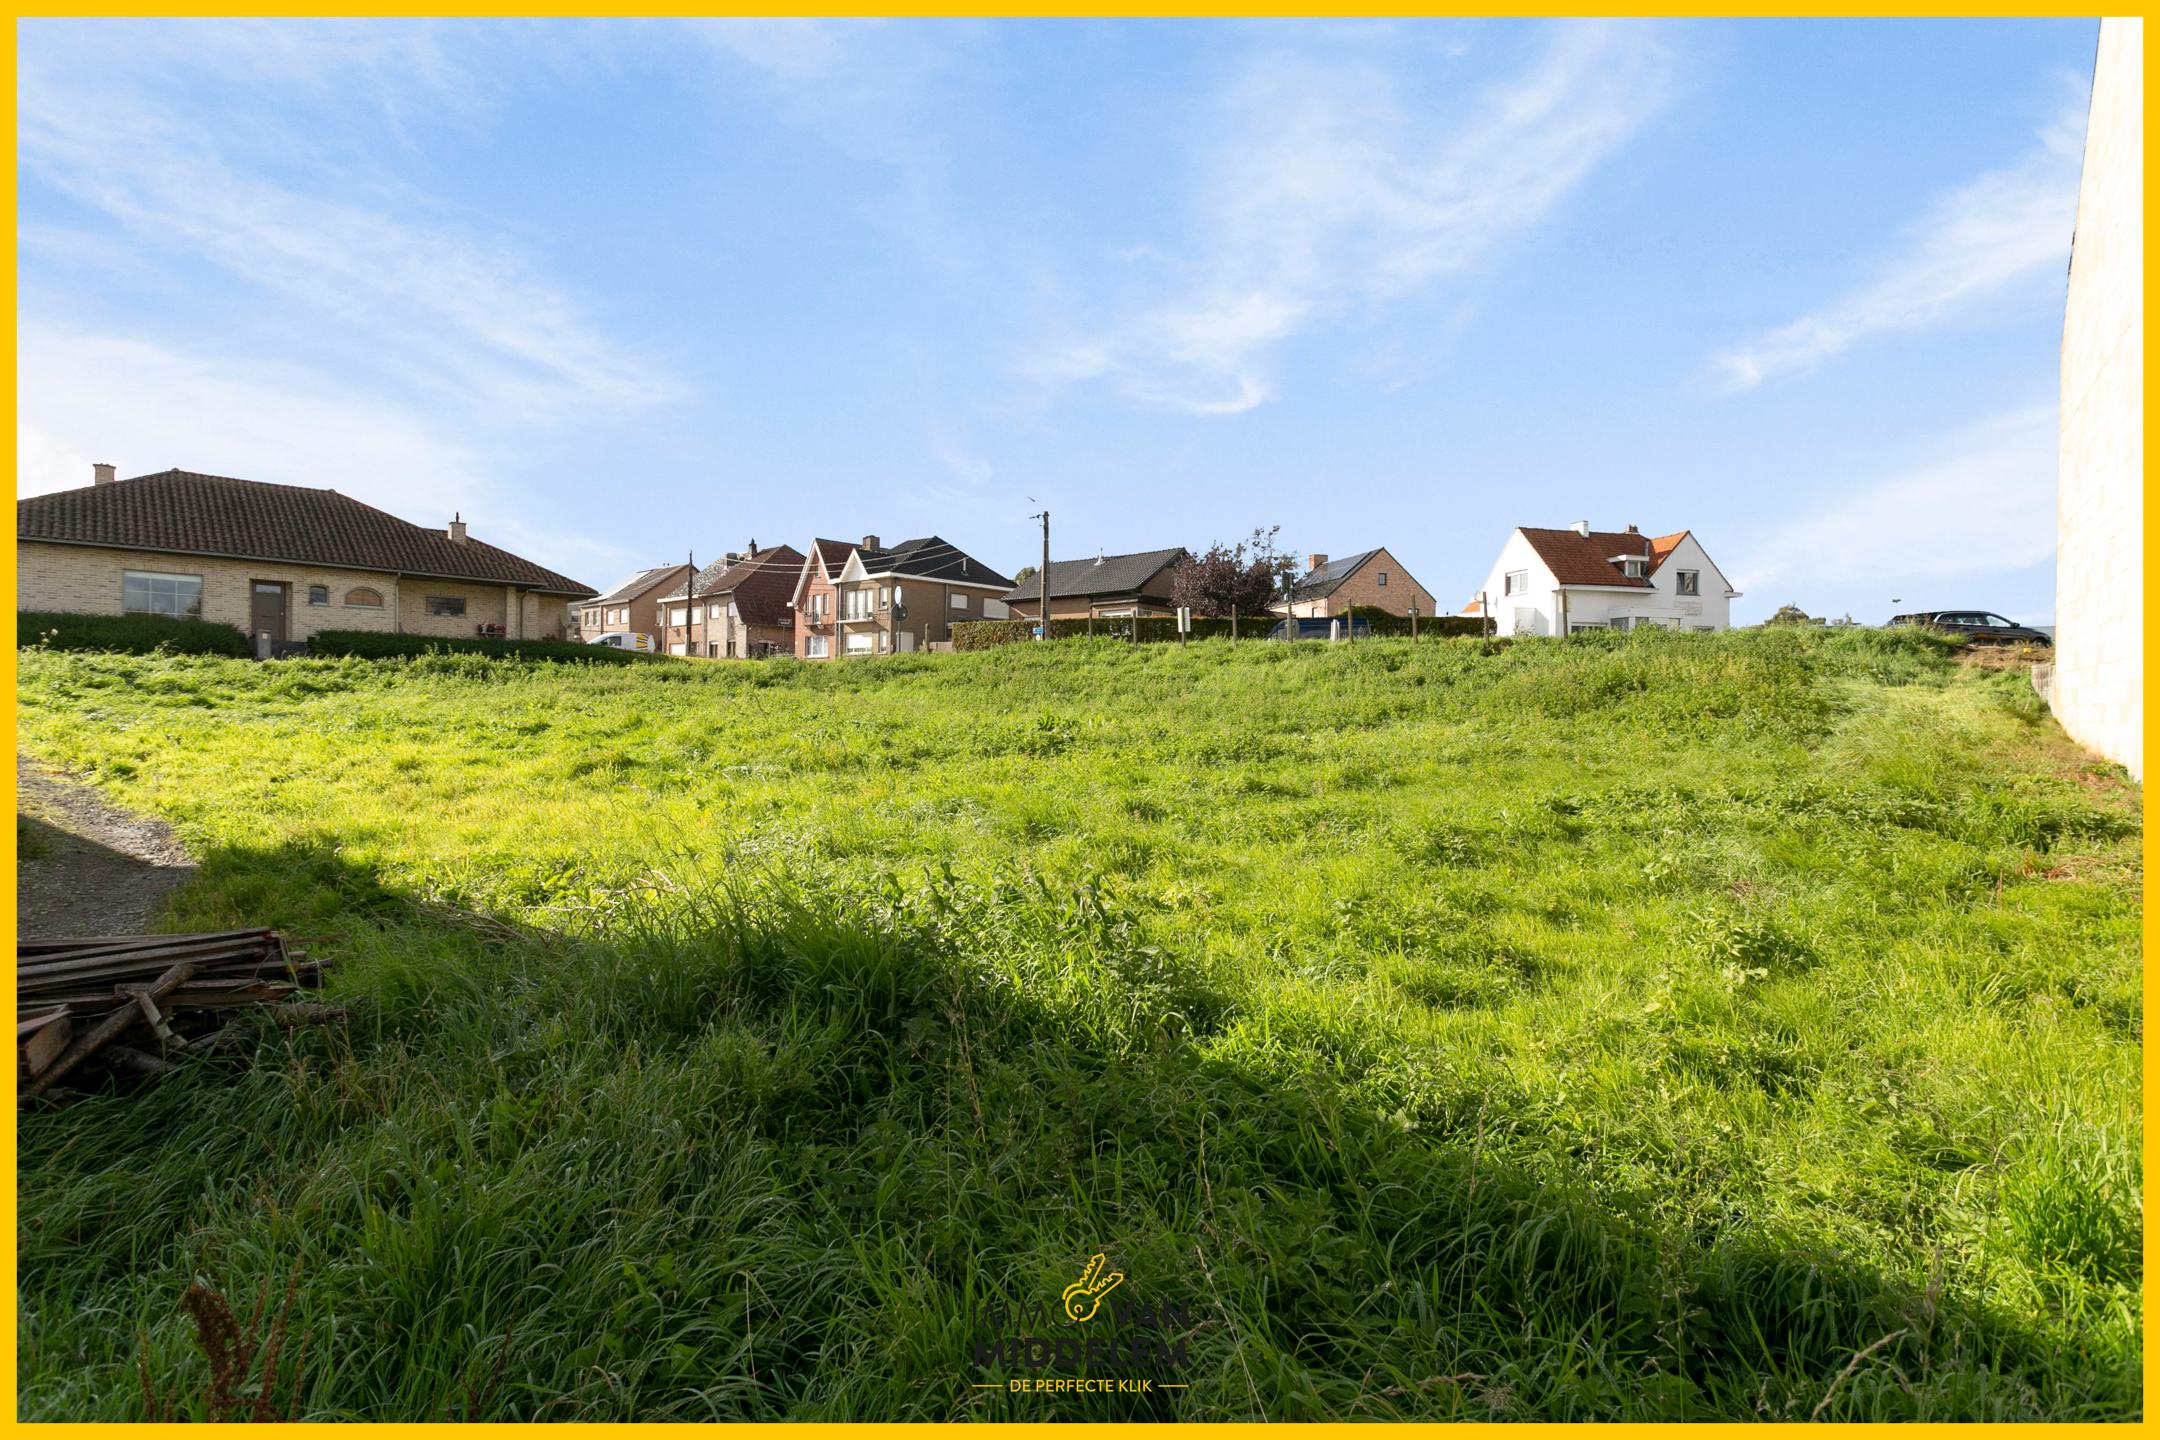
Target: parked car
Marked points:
1319	627
1984	626
625	640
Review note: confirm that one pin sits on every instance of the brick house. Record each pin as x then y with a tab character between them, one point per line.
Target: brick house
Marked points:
737	608
868	600
633	606
1370	580
281	561
1100	588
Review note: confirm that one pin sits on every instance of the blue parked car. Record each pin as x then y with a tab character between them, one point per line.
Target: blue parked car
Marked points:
1319	627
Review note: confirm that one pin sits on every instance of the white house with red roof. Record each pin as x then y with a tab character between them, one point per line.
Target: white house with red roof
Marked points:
1557	582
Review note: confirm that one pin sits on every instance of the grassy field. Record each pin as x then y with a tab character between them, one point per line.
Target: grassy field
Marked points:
1637	1026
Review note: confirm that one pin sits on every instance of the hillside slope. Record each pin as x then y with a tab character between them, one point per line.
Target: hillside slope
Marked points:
1645	1026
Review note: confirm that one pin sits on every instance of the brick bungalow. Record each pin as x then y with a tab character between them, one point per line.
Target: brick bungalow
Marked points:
738	607
1370	580
868	600
284	561
1102	587
633	606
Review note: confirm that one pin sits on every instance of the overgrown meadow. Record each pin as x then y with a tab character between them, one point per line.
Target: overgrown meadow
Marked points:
1654	1027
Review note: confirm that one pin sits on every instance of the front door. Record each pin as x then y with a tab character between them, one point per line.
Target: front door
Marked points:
267	614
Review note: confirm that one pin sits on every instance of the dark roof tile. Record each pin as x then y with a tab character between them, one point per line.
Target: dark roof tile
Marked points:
182	512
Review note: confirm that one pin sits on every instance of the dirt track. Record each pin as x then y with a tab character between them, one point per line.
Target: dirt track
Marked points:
84	867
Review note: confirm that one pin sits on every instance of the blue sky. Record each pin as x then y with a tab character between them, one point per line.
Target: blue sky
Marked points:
617	290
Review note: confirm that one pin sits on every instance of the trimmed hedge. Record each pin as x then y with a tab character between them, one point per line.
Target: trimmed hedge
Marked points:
374	645
127	634
1162	629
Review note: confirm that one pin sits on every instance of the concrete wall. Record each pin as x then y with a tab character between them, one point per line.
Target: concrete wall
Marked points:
2100	509
87	580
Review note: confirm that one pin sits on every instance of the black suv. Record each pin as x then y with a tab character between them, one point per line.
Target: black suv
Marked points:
1984	626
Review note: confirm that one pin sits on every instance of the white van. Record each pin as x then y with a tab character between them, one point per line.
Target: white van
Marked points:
625	640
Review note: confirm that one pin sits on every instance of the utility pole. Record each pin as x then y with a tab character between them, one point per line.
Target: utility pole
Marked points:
689	614
1042	579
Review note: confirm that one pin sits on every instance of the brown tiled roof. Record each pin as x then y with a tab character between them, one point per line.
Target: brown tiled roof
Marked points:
1576	559
762	584
183	513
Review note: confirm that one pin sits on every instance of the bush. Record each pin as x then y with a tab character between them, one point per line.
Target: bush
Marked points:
1162	629
374	645
127	634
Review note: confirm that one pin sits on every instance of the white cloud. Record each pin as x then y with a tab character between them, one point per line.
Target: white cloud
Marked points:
143	407
1973	248
382	269
1984	503
1335	185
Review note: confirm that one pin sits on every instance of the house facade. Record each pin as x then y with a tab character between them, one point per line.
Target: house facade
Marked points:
1558	582
1100	588
867	599
737	609
632	606
1370	580
2098	680
280	563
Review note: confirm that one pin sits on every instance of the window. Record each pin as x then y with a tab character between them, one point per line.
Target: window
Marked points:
318	594
446	605
716	612
732	612
147	592
1689	582
959	601
884	597
818	649
1383	579
1632	568
364	596
1515	582
860	643
680	615
858	603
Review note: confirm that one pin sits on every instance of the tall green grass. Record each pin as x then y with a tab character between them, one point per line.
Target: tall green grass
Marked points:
1644	1027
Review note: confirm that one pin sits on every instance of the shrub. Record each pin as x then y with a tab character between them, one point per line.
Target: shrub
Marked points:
127	634
373	645
1162	629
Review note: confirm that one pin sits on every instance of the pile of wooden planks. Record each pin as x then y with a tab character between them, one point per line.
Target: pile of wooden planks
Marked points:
140	1003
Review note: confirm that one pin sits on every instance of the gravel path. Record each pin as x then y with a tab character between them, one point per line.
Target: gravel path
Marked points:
84	867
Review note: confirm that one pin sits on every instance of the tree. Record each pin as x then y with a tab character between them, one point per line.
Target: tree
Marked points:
1791	615
1024	574
1245	577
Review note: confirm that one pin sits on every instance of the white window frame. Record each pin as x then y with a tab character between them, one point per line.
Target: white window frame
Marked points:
817	649
1515	582
1687	582
162	585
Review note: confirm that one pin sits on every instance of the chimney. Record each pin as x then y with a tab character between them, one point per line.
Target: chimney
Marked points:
457	530
870	542
1582	528
1314	562
101	473
1633	531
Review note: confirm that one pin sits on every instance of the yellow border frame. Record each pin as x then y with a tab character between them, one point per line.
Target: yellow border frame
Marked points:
375	9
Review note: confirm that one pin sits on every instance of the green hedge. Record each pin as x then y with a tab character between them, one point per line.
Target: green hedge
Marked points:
1162	629
127	634
374	645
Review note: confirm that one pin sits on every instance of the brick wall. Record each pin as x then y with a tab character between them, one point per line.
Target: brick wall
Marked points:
2100	511
1364	590
87	580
